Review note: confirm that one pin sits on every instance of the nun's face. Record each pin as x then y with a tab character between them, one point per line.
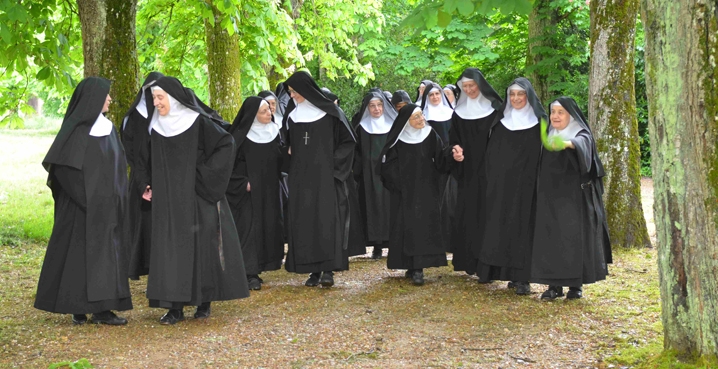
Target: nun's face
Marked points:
449	95
518	98
161	101
559	117
272	105
417	120
400	105
264	114
471	89
106	107
376	108
421	89
435	97
296	96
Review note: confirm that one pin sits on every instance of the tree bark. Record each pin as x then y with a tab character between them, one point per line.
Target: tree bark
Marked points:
612	114
224	66
542	21
119	56
92	21
681	74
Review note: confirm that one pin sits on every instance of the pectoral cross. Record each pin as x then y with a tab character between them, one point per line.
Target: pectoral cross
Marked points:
306	138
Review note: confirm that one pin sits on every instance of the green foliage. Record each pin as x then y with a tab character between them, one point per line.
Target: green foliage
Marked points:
554	143
642	103
432	13
79	364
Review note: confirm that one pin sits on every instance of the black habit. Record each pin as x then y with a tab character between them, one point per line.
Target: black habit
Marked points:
510	168
196	255
322	151
411	172
470	130
570	243
85	266
257	213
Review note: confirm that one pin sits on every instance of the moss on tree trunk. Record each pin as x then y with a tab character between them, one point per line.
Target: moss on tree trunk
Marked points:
683	123
612	115
224	67
119	56
92	22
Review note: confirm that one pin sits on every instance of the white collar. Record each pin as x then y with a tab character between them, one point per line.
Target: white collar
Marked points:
375	126
142	105
102	127
262	133
306	112
439	113
179	119
516	120
412	135
468	108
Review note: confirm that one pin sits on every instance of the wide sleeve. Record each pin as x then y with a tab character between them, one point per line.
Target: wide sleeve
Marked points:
583	142
215	162
441	160
128	141
357	168
237	188
141	164
455	167
390	171
72	182
343	151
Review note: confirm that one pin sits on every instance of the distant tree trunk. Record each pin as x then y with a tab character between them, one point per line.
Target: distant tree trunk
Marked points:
119	56
92	22
681	80
224	65
542	22
612	114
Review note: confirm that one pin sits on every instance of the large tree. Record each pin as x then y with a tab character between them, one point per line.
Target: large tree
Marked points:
543	20
223	63
612	113
681	79
92	20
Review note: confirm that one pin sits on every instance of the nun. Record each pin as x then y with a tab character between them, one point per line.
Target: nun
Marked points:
438	110
253	188
276	108
420	91
451	93
135	138
412	162
510	166
399	99
196	256
330	95
571	246
477	107
85	266
372	124
322	150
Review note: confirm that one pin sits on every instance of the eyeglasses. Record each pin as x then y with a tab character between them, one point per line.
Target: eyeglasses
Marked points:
416	118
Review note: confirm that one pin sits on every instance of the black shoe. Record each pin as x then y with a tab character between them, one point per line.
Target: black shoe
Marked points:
172	316
254	283
512	284
418	277
327	279
203	311
313	280
574	293
409	273
108	317
79	319
523	288
552	293
260	279
376	254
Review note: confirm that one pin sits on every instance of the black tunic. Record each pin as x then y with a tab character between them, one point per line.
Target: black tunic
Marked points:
511	165
85	267
569	237
196	255
321	159
257	214
374	199
447	185
411	172
472	135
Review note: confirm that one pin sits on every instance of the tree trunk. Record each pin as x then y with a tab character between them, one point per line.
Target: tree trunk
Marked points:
612	114
92	22
542	22
119	56
681	75
224	66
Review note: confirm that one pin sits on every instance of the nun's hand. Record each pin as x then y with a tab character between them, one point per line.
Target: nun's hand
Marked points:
147	195
290	150
458	153
248	187
569	145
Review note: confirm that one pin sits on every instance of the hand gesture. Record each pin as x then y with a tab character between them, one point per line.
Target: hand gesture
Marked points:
147	195
458	153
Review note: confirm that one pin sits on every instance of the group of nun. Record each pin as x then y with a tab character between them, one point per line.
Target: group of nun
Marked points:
209	205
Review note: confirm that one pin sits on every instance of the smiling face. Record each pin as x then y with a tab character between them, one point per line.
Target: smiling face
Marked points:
296	96
161	101
264	114
417	120
471	89
376	108
106	107
559	117
435	97
518	98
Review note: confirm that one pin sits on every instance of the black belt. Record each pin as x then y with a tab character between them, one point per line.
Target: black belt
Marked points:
586	185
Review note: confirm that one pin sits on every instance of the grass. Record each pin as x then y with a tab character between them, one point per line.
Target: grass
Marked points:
372	317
